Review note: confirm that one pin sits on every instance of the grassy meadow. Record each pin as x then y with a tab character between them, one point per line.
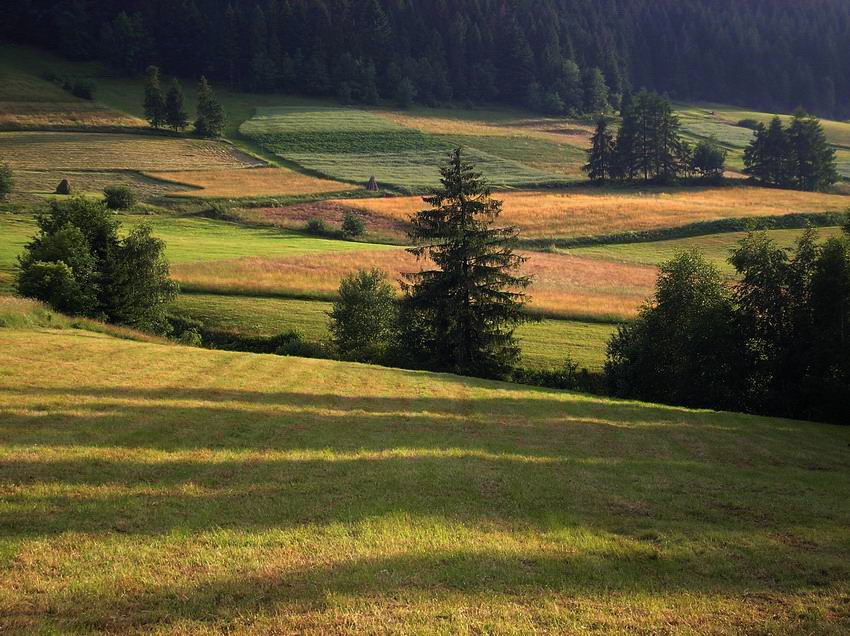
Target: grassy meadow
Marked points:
164	490
352	145
240	183
589	211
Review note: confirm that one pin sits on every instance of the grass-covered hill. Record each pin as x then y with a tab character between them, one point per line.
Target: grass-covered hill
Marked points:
151	488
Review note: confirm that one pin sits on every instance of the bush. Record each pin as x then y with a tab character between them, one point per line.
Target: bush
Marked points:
318	227
290	343
567	377
5	180
364	318
84	89
353	226
752	124
119	197
191	337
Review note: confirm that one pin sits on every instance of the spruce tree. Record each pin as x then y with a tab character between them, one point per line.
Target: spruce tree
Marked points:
210	121
595	92
175	112
812	160
601	153
463	313
154	99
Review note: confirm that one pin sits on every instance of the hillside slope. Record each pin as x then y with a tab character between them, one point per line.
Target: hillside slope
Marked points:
158	489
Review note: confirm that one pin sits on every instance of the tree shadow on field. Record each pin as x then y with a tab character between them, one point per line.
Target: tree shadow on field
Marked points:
386	582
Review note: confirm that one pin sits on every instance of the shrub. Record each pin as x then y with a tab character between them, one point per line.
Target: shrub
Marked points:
568	377
363	320
353	226
190	337
84	89
318	227
119	197
290	343
6	181
752	124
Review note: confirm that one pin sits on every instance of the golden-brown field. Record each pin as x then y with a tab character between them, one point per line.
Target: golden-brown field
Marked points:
550	129
63	115
588	211
247	183
103	151
564	285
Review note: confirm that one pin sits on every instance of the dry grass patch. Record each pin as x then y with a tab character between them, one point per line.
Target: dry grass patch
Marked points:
564	285
63	115
461	123
103	151
248	183
588	211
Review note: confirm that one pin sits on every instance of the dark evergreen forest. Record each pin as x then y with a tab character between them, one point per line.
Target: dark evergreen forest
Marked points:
768	54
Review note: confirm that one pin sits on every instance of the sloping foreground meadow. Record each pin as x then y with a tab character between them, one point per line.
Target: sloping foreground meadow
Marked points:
155	489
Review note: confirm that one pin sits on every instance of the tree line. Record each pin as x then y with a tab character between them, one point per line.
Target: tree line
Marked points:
558	55
776	341
649	146
167	109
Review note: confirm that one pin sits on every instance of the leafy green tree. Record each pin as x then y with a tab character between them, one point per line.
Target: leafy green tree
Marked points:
709	159
175	111
155	111
352	225
79	264
599	166
6	180
682	348
119	197
363	319
468	305
137	286
210	119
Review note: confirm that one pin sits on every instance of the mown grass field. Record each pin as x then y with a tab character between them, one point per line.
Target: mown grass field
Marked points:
241	183
103	151
592	211
353	145
160	489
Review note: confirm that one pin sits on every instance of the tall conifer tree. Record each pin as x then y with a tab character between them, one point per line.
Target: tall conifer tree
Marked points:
601	153
465	310
154	98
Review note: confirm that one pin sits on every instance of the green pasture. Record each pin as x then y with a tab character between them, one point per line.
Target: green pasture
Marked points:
353	145
163	489
716	248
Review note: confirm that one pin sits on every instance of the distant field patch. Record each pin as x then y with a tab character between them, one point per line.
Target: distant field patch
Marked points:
80	114
247	183
544	345
564	286
594	211
715	247
353	145
38	185
102	151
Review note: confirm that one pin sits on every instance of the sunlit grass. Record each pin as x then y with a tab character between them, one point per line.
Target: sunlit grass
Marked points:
591	212
717	248
151	489
564	286
545	344
252	183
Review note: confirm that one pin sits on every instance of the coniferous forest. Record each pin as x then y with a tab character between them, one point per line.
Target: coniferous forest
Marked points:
558	56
